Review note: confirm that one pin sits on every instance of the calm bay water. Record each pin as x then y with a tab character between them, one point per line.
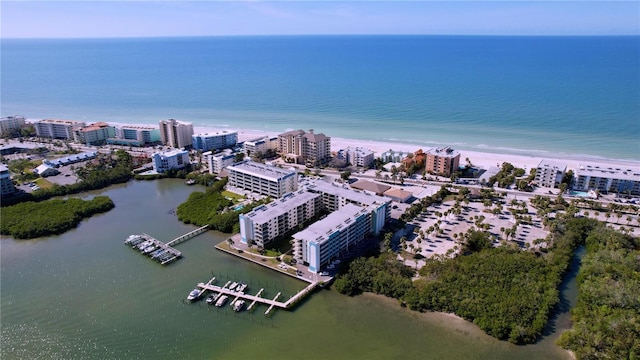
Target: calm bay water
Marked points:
85	295
560	95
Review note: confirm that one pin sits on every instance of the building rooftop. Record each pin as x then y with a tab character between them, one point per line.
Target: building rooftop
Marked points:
608	172
173	152
61	122
346	192
552	164
217	133
269	172
371	186
443	152
137	127
95	126
320	230
281	206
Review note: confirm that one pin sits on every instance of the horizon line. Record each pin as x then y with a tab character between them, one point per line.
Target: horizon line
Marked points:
311	35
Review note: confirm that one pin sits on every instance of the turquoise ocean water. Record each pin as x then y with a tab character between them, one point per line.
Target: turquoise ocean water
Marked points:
570	96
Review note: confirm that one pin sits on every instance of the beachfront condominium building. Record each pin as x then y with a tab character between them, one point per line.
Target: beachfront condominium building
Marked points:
260	146
550	173
357	156
57	129
329	238
168	160
336	196
393	156
307	148
11	124
442	161
177	134
220	161
267	222
131	135
607	179
95	134
6	185
214	141
262	179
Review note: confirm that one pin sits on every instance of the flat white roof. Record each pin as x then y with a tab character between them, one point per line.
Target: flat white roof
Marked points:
545	163
319	231
608	172
174	152
269	172
290	201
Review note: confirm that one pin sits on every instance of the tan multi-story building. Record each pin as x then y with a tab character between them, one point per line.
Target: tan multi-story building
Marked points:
442	161
307	148
95	134
58	129
177	134
11	124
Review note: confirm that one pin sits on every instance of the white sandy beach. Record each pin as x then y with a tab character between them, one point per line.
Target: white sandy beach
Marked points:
482	159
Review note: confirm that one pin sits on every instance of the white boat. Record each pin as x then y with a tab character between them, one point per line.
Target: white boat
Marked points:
241	287
194	294
238	305
221	300
233	285
211	299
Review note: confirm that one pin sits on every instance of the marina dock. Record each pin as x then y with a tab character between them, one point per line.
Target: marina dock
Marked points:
272	303
153	247
159	251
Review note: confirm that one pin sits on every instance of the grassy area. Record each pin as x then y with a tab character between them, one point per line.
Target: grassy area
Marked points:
233	196
43	183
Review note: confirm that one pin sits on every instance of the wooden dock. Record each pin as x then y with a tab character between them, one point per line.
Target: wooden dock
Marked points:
187	236
272	303
169	254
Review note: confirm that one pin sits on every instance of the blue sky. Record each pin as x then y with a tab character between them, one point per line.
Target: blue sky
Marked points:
203	18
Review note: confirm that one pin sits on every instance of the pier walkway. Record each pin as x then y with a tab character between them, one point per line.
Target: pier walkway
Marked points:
256	298
188	235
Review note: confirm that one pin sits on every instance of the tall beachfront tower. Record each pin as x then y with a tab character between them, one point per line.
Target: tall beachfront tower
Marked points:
442	161
550	173
177	134
307	148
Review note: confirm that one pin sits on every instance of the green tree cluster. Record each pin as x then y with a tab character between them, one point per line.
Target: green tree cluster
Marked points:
106	171
213	209
506	291
506	176
606	320
30	219
382	275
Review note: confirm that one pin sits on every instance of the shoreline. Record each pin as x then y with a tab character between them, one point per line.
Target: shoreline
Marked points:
485	159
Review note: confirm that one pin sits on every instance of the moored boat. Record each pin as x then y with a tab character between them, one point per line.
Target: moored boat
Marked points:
233	285
221	300
211	299
238	305
194	294
242	286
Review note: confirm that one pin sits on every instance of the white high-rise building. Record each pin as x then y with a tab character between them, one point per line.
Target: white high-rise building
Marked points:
550	173
174	159
607	179
58	129
215	141
263	179
267	222
220	161
177	134
357	156
11	124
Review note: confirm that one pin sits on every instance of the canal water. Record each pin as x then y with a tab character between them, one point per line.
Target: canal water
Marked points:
86	295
